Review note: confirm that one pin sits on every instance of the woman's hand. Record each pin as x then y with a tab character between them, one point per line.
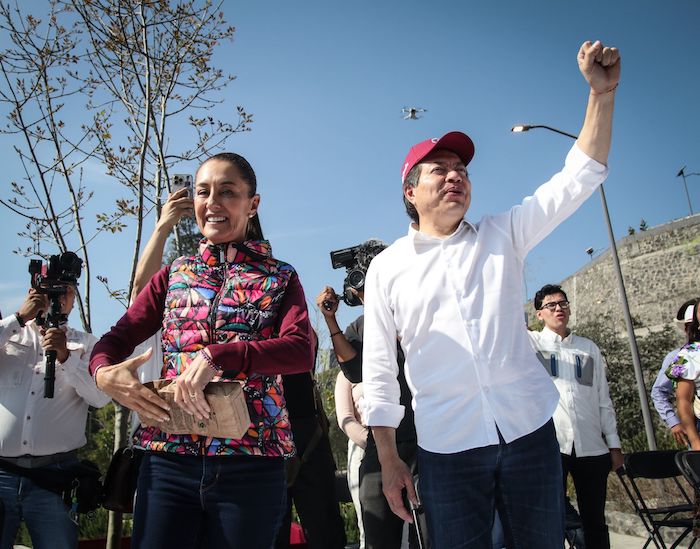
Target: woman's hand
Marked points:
178	205
120	382
189	389
327	302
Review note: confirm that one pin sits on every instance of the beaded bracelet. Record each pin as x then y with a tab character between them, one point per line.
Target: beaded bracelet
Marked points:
210	361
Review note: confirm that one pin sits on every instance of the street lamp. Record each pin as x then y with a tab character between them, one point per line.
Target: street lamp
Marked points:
527	127
681	173
646	416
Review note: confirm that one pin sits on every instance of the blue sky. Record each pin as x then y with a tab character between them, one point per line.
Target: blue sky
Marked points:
326	82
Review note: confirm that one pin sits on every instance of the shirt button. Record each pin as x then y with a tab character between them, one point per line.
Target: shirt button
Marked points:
24	442
487	390
29	417
32	392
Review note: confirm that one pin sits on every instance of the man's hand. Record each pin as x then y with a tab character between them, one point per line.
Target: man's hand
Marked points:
679	435
600	66
33	304
327	302
121	382
189	389
396	476
618	460
55	340
175	208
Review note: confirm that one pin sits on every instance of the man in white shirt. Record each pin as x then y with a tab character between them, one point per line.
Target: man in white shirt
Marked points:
451	291
584	419
37	434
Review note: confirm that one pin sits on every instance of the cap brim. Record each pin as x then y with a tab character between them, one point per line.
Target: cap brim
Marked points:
457	142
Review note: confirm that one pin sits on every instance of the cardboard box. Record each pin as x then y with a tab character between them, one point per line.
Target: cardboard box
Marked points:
229	412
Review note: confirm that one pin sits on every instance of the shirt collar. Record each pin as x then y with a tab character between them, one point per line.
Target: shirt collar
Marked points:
550	335
418	237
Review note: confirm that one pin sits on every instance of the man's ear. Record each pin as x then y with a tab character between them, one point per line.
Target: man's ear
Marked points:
409	193
538	314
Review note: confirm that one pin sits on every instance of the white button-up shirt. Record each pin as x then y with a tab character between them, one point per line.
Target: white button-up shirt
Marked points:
456	304
584	418
29	423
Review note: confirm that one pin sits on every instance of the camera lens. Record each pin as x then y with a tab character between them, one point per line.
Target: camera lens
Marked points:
356	279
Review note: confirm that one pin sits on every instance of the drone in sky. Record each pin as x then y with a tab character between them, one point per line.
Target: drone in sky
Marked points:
411	113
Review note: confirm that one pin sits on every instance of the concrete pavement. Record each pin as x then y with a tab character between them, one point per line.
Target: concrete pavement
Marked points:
622	541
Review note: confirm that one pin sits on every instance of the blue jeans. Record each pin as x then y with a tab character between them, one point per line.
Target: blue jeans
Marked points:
522	480
192	501
44	513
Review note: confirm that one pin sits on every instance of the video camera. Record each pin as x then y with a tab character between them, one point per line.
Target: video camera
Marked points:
356	260
53	279
355	275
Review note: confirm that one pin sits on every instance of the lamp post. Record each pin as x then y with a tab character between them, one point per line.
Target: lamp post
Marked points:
644	401
681	173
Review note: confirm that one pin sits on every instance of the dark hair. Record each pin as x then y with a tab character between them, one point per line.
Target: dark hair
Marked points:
369	249
411	180
693	330
254	229
544	291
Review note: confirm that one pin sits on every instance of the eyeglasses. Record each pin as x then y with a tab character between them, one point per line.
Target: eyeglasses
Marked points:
552	305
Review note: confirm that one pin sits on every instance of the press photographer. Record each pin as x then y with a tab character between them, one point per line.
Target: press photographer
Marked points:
379	527
55	280
39	437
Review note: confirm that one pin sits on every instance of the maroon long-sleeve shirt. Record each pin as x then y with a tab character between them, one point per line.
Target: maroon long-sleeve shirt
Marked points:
289	353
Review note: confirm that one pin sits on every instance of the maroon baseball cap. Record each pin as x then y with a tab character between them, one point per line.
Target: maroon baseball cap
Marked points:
457	142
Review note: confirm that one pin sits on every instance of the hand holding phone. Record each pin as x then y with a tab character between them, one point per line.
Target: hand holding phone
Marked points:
183	181
175	208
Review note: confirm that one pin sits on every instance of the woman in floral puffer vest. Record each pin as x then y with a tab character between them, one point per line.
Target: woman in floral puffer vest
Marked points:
229	313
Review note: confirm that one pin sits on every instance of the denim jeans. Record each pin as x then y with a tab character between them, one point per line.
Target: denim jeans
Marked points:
43	511
199	502
522	479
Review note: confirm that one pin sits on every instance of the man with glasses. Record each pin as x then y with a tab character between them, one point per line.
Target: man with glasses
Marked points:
584	419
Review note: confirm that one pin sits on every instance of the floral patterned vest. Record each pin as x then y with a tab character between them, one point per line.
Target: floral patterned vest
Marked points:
226	293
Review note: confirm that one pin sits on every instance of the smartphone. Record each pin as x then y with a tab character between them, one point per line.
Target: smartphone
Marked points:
182	181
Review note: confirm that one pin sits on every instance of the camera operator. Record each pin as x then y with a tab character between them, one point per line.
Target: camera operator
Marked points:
39	436
382	528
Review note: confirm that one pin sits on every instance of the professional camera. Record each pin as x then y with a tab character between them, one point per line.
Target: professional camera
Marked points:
356	260
53	279
355	276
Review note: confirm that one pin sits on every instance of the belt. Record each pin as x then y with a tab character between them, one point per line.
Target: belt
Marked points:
34	462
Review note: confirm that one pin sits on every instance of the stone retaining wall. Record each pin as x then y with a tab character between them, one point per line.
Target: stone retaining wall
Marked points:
660	267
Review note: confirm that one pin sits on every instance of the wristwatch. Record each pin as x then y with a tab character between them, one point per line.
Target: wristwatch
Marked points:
20	320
